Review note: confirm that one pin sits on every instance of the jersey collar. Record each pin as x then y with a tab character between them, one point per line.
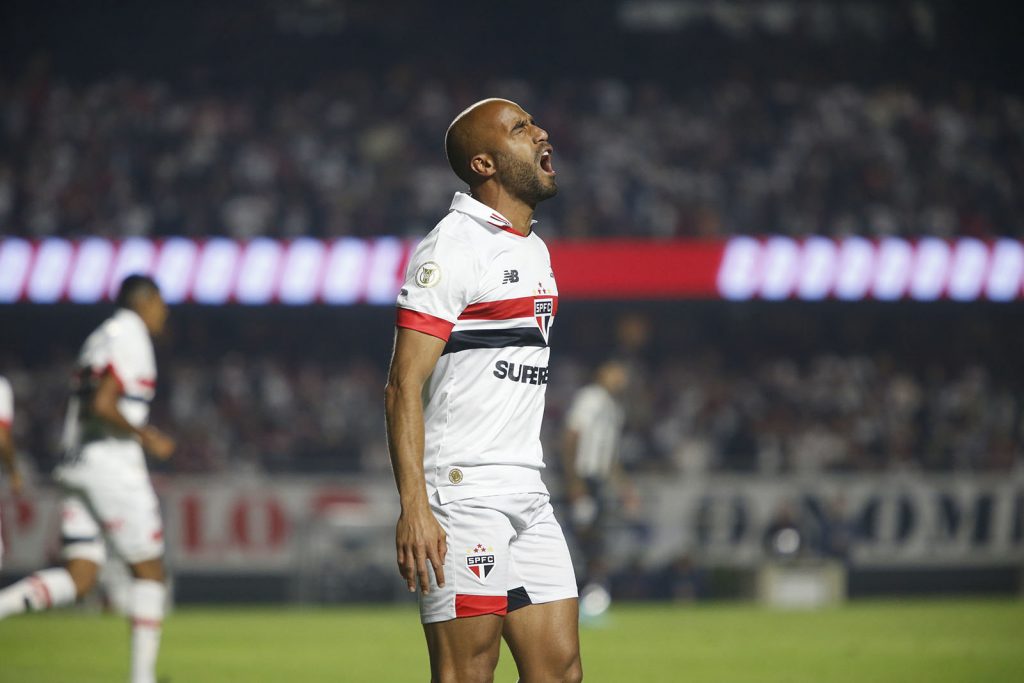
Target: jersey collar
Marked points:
464	203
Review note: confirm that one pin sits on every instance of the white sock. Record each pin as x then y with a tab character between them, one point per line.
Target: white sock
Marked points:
42	590
146	610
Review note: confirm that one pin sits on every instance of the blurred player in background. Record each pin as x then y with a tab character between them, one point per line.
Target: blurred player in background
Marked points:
464	404
594	477
7	461
104	474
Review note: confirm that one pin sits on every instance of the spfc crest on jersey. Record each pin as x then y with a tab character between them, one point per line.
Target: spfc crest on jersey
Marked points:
480	561
544	314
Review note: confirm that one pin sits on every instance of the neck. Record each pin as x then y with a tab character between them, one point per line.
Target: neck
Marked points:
519	213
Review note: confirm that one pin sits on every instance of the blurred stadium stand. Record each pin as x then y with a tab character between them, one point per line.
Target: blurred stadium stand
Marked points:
671	120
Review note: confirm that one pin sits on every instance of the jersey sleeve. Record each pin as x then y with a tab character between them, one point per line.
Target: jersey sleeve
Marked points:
124	351
440	282
6	403
131	362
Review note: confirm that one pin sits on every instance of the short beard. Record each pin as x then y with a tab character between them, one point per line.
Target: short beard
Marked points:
522	180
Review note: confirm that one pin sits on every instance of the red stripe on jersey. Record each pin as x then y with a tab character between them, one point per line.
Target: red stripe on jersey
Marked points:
5	424
148	383
506	309
425	323
478	605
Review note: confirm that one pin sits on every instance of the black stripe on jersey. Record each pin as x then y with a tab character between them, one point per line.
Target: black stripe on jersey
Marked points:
494	339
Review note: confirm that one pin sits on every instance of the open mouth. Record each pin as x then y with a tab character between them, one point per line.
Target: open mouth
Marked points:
545	162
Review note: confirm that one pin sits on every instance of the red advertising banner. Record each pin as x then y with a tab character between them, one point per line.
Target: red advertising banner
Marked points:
349	270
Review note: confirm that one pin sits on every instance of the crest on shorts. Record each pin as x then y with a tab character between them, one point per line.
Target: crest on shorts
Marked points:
428	275
544	313
480	560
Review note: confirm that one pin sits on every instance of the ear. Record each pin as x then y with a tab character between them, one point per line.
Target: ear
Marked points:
483	165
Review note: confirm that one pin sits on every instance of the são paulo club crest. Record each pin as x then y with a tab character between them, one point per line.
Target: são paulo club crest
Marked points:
544	314
480	561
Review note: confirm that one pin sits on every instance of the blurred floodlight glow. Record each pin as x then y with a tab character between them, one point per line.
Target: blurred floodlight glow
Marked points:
301	272
856	268
970	265
174	269
781	268
15	261
257	277
344	270
92	265
1004	282
135	256
52	264
817	269
738	274
929	275
895	257
216	274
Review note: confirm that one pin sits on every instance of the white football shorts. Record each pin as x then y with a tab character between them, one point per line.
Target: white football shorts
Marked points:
504	552
109	495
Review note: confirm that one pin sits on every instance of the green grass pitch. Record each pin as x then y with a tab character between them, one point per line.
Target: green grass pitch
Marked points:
933	641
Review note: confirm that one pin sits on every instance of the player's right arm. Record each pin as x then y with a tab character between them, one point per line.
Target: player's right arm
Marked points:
104	407
418	536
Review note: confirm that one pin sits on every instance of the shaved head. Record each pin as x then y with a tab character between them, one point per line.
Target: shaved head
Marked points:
496	147
470	134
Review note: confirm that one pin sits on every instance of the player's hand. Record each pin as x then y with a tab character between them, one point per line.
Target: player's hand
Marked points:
156	443
419	539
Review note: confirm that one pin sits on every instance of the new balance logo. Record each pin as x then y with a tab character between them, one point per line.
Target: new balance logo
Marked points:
510	277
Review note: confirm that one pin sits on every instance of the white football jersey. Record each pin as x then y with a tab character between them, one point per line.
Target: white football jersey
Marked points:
598	419
490	293
121	346
6	403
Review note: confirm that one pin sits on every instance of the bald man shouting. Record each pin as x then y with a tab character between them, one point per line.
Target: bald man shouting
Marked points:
464	403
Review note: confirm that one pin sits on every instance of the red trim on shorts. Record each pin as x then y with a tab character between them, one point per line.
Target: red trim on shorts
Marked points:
139	622
6	424
158	535
40	586
425	323
478	605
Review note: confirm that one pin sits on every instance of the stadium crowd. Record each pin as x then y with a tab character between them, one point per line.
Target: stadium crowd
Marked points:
709	410
356	153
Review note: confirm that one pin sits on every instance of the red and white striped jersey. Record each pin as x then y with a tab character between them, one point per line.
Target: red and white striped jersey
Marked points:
122	347
490	294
